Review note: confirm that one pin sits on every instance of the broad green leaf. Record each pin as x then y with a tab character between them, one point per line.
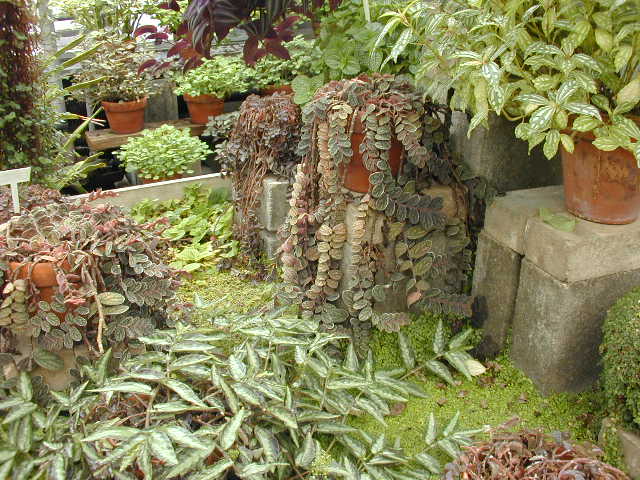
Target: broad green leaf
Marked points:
623	55
184	391
19	412
453	423
114	433
214	471
48	360
406	351
269	444
630	93
230	431
440	369
125	387
432	430
541	118
111	298
551	144
308	452
439	339
558	221
606	144
457	360
430	462
567	142
162	448
285	415
585	123
184	437
24	386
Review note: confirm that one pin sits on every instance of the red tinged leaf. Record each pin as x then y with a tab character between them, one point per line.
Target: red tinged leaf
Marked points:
171	5
276	48
146	64
145	29
175	50
287	24
250	50
183	29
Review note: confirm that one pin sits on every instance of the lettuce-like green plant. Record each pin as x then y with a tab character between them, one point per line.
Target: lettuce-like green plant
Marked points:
556	66
219	76
163	153
275	71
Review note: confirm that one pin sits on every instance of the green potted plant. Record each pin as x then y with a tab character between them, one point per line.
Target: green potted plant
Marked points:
164	153
81	273
273	74
111	76
206	87
566	71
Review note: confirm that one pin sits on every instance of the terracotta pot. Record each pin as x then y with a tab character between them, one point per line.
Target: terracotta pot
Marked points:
599	186
125	117
271	89
146	181
43	276
202	107
355	175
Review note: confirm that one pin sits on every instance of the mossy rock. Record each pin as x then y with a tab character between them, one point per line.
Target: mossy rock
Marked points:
621	358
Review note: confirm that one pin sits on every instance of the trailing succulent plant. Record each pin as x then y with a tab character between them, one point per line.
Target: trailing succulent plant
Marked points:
250	397
397	232
262	142
31	196
110	286
219	129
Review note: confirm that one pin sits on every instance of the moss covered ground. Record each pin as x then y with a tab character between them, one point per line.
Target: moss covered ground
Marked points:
491	399
502	393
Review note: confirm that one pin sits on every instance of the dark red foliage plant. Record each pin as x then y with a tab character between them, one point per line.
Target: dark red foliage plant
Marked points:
530	455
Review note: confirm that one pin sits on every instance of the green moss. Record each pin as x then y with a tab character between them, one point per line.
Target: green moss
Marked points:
621	359
611	444
235	292
499	395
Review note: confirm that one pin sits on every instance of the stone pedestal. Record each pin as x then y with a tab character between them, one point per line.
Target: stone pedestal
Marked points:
551	288
274	206
162	104
501	158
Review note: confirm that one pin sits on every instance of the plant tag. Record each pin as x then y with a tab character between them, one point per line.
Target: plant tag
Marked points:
13	178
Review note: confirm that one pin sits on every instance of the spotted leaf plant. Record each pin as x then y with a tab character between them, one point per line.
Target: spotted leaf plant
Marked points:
250	397
562	68
398	237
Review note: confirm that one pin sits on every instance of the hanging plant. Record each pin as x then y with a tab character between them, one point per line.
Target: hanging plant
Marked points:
395	232
263	142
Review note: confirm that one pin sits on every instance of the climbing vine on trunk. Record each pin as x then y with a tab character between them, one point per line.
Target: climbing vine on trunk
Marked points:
397	234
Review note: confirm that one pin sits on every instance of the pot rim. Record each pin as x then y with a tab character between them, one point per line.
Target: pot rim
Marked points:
139	104
204	98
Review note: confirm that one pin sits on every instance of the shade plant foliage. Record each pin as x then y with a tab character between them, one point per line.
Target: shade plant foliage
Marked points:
163	153
219	76
413	248
249	397
263	142
111	285
558	67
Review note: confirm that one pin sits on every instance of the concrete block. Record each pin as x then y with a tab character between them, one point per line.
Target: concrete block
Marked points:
631	451
557	326
592	250
495	286
270	243
453	204
501	158
274	204
162	105
507	217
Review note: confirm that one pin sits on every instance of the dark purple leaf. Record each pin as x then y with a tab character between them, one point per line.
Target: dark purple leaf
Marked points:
146	64
158	36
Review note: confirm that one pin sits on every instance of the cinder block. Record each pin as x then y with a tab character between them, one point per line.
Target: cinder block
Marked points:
162	105
592	250
274	204
500	157
495	286
557	326
507	217
270	243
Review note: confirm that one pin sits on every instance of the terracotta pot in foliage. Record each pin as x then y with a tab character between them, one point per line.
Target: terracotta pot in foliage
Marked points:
355	175
601	186
202	107
271	89
125	117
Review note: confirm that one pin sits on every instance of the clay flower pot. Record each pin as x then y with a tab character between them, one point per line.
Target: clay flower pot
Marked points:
125	117
271	89
355	175
599	186
43	276
202	107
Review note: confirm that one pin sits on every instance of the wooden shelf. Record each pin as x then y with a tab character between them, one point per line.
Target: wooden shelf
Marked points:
98	140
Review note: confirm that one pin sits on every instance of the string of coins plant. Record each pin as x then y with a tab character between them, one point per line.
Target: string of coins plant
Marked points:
263	142
398	238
